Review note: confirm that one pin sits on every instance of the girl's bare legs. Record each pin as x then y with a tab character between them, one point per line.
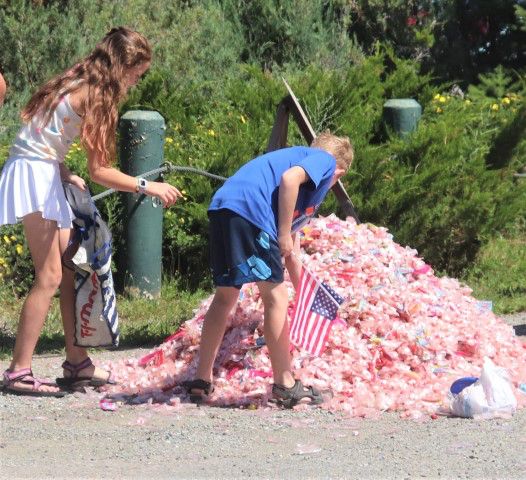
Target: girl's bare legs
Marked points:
213	330
275	300
74	354
43	241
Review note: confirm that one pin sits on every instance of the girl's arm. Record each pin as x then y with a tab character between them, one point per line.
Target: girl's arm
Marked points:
69	177
112	178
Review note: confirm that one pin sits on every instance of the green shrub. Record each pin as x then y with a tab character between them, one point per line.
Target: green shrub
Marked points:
16	267
434	189
499	272
296	32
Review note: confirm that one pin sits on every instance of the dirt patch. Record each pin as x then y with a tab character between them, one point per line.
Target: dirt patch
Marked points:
74	438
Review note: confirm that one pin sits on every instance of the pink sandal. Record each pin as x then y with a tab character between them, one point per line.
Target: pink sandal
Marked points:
25	376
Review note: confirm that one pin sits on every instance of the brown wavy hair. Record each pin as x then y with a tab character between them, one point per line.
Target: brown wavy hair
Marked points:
103	70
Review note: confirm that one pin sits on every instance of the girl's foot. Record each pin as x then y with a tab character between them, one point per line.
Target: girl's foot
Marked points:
22	382
84	374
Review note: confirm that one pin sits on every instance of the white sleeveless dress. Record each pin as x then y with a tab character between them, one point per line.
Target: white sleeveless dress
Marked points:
30	180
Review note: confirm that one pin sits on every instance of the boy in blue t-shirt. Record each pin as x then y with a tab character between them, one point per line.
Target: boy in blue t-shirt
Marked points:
254	218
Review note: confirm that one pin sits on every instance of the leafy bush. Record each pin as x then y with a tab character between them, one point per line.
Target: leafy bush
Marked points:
447	189
499	271
435	190
297	32
16	267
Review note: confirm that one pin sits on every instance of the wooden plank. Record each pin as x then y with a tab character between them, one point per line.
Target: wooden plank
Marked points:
309	135
278	136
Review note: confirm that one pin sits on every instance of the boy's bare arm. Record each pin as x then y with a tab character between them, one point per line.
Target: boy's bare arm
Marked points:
292	262
287	196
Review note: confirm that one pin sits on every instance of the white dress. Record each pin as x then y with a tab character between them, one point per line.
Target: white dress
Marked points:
30	180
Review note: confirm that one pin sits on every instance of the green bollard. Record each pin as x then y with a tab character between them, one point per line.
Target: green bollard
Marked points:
402	115
140	256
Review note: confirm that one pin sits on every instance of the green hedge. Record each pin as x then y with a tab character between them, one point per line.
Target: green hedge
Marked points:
447	190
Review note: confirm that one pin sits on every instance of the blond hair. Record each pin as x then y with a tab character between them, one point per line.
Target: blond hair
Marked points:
339	147
104	72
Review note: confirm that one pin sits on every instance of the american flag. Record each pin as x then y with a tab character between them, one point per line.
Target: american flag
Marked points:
316	307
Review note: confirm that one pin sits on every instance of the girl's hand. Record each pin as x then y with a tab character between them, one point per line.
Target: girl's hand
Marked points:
77	181
165	192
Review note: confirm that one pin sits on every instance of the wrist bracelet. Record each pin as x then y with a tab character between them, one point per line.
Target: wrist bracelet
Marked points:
142	185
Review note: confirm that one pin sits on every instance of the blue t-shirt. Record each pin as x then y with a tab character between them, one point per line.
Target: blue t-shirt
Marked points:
252	191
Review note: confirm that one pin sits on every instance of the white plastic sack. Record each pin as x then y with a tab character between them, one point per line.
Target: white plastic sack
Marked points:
490	396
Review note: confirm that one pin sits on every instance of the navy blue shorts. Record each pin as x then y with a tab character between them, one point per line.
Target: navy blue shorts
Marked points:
240	252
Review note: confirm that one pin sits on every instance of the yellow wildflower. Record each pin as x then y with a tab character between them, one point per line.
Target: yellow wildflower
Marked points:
242	118
211	133
13	238
495	107
2	261
169	140
467	101
506	101
7	240
437	96
19	249
442	99
439	110
183	192
181	220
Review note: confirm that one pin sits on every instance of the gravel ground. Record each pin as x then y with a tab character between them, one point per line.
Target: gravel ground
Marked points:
73	438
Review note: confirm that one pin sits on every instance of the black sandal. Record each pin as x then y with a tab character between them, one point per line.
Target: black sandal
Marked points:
74	381
198	384
289	397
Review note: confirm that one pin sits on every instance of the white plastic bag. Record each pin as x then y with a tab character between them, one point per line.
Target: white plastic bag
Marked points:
489	397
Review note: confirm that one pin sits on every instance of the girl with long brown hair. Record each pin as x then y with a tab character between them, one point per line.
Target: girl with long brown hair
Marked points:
82	101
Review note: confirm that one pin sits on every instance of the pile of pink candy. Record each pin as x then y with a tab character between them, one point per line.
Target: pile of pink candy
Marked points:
402	337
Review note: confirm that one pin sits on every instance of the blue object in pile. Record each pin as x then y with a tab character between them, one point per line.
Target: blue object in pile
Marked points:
458	385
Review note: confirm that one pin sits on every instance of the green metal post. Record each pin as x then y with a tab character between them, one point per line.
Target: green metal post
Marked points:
139	259
402	115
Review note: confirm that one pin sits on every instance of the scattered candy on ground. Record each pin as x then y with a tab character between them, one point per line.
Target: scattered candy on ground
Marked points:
402	337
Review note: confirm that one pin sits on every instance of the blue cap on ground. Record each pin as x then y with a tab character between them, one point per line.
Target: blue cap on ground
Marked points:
458	385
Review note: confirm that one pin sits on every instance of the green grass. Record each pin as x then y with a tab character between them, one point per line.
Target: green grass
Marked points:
142	322
499	274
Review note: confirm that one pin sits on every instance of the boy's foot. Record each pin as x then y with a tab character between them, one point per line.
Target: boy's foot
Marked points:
290	397
84	374
22	382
